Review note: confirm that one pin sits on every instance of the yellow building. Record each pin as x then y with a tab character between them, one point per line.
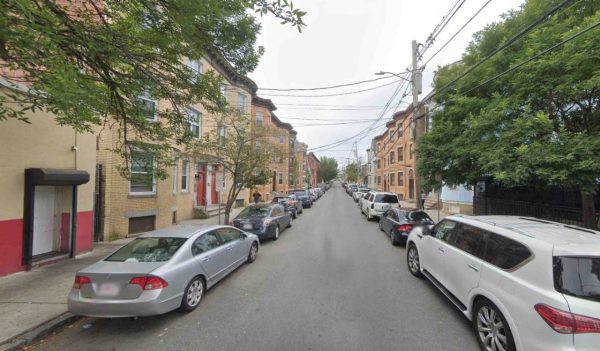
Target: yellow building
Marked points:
131	207
47	177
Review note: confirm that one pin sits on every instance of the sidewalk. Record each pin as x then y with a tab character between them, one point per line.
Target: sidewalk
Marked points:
34	303
433	213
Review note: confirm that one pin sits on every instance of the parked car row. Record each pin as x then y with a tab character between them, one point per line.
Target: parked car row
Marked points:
171	268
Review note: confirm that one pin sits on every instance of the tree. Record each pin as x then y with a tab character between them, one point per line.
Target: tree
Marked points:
328	168
238	149
89	62
538	125
351	172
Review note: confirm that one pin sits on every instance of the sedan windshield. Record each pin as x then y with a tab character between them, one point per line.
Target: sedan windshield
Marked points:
249	212
148	250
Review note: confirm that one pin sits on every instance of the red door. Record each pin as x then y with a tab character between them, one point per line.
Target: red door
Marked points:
213	186
201	186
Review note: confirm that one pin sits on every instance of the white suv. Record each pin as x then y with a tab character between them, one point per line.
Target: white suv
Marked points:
377	203
526	284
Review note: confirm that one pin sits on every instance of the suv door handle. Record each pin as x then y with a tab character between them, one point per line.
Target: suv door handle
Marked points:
229	248
473	267
206	259
441	249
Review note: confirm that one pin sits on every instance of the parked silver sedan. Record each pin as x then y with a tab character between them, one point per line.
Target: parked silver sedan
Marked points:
161	271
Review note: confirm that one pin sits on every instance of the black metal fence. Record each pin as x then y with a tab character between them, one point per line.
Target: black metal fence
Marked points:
495	206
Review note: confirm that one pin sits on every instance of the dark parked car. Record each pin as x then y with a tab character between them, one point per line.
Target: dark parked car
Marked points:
291	204
267	221
304	196
397	223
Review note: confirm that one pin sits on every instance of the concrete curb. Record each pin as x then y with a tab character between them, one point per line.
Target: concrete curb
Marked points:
18	342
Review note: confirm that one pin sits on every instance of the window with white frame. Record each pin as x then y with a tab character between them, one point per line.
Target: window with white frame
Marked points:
221	134
147	106
194	65
192	122
175	176
142	178
185	171
400	130
242	103
259	119
224	93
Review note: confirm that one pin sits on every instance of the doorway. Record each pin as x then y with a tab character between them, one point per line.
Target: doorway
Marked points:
411	184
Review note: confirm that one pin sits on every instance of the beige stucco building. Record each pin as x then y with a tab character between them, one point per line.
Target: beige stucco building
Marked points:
43	168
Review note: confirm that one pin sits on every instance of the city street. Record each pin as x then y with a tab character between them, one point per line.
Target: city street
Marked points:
331	282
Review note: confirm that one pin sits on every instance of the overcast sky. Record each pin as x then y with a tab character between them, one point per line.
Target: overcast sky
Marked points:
347	41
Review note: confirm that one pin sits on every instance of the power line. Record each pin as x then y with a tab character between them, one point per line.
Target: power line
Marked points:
328	87
438	29
457	32
329	119
511	41
339	94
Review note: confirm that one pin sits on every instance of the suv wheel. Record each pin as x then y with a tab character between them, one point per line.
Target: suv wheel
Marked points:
491	328
413	261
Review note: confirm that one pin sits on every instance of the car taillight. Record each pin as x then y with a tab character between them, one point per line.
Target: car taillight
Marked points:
80	281
566	322
405	228
149	283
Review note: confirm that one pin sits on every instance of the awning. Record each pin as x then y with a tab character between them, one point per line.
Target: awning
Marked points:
48	176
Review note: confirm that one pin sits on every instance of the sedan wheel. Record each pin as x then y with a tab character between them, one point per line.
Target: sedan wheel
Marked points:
276	236
253	253
412	259
394	242
192	295
492	330
291	220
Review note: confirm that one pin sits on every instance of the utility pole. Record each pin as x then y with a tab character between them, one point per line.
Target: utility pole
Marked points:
357	160
417	82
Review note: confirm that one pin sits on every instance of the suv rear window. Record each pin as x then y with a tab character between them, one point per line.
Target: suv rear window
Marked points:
577	276
388	199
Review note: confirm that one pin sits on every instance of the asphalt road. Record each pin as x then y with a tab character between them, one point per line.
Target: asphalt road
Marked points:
331	282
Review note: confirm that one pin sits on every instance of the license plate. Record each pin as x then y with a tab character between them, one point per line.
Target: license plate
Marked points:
247	226
108	289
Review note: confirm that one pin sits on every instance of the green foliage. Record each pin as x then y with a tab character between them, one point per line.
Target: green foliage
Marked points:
328	168
537	125
351	172
88	62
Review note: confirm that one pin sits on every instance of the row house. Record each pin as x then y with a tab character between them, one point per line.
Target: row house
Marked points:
282	148
302	165
46	187
145	203
395	154
313	164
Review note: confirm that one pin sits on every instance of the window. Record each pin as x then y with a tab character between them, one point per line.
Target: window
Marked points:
392	158
400	130
468	239
578	276
141	224
185	169
175	176
194	65
378	163
443	229
142	173
280	178
411	151
242	103
400	153
259	119
221	134
224	92
277	210
504	252
281	136
392	135
291	179
147	106
205	243
378	179
192	121
147	250
259	148
392	178
229	234
401	178
386	198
